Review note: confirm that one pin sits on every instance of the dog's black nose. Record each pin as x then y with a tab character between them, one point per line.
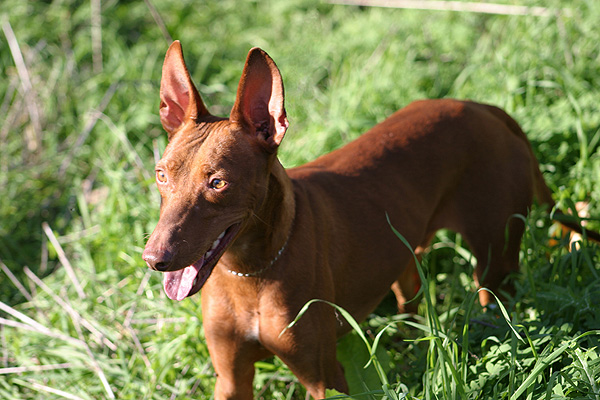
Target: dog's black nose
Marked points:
157	260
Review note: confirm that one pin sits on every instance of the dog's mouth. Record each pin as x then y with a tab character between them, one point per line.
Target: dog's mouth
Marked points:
189	280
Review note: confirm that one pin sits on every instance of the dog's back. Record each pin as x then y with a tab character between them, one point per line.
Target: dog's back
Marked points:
434	164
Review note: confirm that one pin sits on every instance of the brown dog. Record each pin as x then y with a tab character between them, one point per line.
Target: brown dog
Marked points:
262	241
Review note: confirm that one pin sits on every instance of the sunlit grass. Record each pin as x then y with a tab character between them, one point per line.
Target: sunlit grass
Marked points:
79	139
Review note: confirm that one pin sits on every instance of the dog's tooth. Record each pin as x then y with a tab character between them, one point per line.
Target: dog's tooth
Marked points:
214	245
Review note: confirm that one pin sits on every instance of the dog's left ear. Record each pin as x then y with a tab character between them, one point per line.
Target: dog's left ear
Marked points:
260	99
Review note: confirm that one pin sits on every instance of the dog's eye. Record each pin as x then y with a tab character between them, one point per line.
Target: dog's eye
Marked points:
161	176
217	183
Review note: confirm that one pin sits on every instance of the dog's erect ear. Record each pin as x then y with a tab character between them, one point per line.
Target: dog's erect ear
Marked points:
179	99
260	98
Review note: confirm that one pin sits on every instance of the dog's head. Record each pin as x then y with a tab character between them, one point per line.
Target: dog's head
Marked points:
214	172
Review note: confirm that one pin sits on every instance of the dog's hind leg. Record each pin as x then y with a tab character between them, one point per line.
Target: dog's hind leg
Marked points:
496	246
407	286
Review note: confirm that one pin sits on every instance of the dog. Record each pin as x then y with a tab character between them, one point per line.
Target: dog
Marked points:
262	241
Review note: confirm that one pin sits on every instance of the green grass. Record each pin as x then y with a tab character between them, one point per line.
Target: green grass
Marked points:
80	130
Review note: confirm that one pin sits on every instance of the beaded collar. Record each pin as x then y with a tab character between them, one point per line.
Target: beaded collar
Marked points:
273	261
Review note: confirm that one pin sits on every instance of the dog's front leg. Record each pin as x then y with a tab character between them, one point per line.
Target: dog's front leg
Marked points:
328	373
309	349
233	359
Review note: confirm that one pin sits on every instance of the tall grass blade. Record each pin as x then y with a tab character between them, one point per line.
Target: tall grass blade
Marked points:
539	368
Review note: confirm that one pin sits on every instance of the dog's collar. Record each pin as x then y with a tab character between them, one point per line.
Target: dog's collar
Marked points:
273	261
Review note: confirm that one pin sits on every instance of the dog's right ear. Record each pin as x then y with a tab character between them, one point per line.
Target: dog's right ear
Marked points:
179	99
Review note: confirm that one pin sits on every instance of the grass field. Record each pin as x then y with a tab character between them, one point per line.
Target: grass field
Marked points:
81	317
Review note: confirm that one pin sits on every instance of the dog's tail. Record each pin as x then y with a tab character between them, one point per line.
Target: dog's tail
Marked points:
543	196
541	192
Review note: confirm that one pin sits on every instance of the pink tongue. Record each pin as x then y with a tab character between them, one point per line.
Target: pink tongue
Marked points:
179	283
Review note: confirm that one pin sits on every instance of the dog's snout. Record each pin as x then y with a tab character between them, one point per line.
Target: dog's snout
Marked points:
158	261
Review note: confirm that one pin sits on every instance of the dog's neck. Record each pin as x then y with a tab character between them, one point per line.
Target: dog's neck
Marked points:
263	239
